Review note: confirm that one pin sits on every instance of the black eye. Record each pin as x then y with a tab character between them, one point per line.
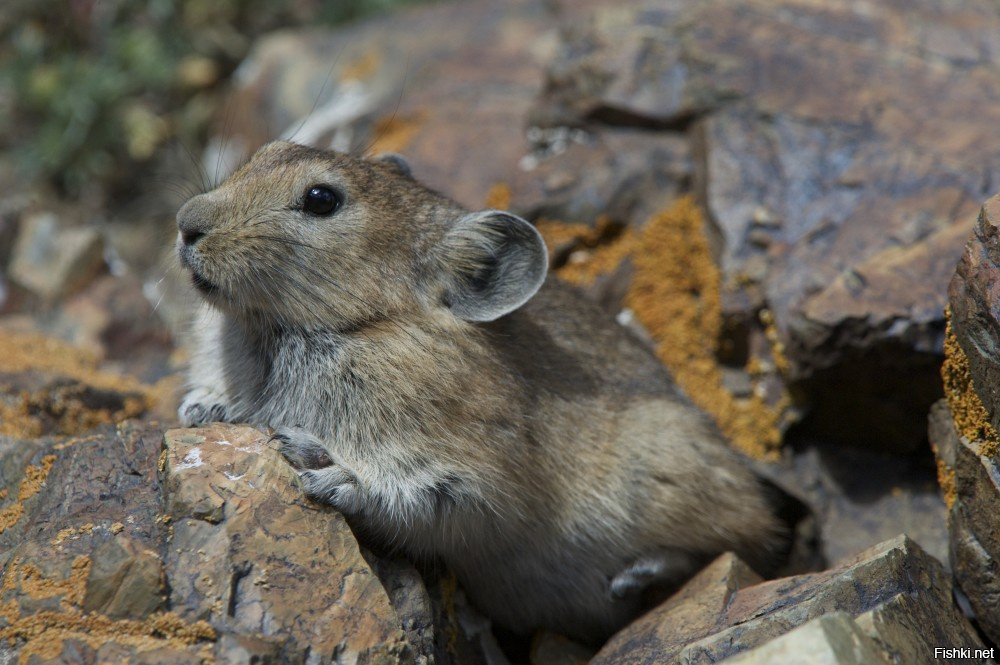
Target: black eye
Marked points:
321	200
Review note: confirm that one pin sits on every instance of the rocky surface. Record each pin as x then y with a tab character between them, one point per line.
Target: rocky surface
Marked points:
963	429
132	543
899	595
836	152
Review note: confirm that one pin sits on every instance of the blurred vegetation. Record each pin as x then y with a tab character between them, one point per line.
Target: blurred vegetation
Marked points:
90	89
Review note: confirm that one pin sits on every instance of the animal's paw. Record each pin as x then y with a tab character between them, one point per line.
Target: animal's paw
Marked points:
302	449
324	478
202	406
666	568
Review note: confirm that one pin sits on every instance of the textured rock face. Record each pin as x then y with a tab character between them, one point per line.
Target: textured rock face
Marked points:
134	544
899	596
963	429
829	210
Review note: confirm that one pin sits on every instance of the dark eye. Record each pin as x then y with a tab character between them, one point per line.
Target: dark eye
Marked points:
321	200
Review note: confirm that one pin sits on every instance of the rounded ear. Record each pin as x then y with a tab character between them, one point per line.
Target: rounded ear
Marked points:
397	162
492	262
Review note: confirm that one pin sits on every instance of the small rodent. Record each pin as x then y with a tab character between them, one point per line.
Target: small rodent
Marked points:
425	379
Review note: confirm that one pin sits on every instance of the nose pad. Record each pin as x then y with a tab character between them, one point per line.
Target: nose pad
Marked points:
190	236
191	221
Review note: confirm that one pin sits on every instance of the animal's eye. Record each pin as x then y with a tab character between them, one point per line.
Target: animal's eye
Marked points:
321	200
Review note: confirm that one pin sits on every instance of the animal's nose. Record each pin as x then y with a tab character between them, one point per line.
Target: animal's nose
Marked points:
190	236
190	223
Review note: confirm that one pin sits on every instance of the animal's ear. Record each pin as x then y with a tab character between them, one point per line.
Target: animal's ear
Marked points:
397	162
493	262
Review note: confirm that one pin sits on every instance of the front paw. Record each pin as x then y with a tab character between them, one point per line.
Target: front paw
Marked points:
324	478
200	407
302	449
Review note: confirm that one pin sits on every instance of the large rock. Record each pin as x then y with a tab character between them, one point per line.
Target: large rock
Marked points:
134	545
829	207
896	592
447	85
964	431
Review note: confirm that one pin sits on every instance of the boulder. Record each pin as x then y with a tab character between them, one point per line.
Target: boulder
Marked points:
133	544
52	262
826	209
896	592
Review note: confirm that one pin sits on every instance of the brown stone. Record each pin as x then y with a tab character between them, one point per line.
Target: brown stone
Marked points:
825	209
832	639
52	262
969	480
267	560
713	618
421	84
131	545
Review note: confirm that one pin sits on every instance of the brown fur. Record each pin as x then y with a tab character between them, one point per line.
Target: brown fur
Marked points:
537	448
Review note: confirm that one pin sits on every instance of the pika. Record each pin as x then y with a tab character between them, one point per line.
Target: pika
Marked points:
425	379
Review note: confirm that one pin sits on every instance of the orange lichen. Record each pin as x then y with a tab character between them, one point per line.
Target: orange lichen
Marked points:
498	198
946	481
36	586
596	250
675	294
43	633
394	133
31	484
363	67
25	413
971	418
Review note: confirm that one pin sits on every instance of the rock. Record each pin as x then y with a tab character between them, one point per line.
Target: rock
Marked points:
726	610
826	211
972	296
964	432
446	85
268	562
832	639
50	387
969	481
623	175
113	320
696	607
857	510
136	545
52	262
553	649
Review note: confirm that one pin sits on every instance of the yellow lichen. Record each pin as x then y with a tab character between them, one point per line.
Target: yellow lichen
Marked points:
971	418
596	251
394	133
946	481
21	414
363	67
31	484
42	633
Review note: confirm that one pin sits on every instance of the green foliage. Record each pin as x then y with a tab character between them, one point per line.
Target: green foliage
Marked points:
90	88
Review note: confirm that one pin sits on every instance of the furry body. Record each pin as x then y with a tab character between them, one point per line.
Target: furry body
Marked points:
543	453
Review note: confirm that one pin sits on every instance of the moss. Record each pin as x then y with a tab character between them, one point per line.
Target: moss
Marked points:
972	421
